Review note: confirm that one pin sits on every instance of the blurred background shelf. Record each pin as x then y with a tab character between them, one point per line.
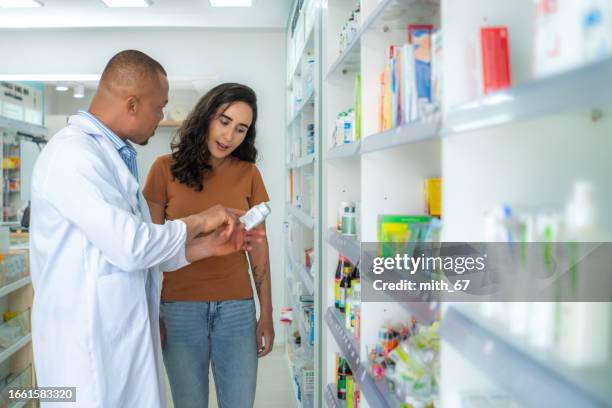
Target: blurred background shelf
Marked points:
403	135
15	347
582	88
524	376
24	127
11	287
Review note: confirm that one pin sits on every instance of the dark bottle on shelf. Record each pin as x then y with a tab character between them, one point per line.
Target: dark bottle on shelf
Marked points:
341	379
356	276
345	287
343	264
337	279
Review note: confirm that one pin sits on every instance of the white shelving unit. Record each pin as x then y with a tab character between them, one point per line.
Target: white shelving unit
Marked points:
383	172
303	175
523	146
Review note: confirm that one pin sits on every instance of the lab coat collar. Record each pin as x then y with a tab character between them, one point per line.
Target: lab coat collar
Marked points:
124	176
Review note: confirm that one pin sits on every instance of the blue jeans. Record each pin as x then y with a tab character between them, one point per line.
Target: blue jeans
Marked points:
221	333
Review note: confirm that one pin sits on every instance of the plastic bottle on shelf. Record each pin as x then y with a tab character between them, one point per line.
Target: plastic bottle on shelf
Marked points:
584	338
339	129
349	130
349	220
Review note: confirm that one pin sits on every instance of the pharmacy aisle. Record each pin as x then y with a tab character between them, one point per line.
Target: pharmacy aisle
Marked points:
302	230
448	122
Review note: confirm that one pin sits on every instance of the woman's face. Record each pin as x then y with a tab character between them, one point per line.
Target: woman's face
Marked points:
228	129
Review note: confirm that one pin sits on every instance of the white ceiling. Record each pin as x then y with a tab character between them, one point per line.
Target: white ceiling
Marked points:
163	13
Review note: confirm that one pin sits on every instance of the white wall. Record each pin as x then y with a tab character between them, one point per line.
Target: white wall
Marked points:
255	58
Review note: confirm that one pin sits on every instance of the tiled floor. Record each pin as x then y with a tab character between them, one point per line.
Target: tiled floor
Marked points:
274	389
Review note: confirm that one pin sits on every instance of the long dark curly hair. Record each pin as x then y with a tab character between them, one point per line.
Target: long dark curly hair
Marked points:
190	146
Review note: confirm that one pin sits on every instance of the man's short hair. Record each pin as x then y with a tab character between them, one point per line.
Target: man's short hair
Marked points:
130	67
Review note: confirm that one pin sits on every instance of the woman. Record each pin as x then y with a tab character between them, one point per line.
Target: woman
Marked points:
207	307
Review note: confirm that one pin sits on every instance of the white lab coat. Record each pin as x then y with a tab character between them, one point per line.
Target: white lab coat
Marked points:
94	262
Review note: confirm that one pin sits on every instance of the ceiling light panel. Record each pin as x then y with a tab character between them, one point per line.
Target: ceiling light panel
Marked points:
127	3
20	3
231	3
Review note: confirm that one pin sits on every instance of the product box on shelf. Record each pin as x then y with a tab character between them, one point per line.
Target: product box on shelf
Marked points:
495	53
433	196
396	231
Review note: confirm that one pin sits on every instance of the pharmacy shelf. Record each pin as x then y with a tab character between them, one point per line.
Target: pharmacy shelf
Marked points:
304	219
308	101
305	276
308	45
24	127
586	87
301	162
389	13
8	352
346	342
331	398
298	404
344	151
298	317
532	382
345	245
12	287
403	135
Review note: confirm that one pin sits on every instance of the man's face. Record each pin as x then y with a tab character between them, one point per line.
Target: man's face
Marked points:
149	111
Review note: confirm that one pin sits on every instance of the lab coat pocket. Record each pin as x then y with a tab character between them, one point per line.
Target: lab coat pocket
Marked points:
122	304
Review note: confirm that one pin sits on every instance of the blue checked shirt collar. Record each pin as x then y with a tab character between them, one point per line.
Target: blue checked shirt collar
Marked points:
126	150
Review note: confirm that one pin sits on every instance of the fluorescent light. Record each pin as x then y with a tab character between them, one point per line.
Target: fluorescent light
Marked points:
20	3
61	87
79	91
127	3
231	3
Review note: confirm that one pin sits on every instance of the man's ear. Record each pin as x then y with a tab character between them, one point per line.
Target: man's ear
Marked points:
132	104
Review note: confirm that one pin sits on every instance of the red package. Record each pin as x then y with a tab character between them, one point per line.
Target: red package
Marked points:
495	58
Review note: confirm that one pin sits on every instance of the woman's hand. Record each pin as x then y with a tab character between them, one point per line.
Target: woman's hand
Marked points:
265	335
223	241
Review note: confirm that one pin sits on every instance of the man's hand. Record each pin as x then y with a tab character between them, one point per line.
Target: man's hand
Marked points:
265	335
210	220
223	241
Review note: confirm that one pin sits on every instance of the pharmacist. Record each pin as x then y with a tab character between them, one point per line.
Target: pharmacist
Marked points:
95	252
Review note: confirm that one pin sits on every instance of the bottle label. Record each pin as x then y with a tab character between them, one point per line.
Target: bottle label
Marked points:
347	315
342	298
349	390
337	292
342	387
